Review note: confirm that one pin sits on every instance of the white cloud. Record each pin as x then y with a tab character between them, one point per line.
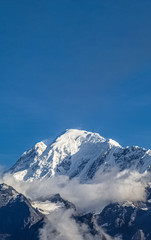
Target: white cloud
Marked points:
92	196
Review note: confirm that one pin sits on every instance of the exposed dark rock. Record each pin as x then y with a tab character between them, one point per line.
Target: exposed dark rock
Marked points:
18	219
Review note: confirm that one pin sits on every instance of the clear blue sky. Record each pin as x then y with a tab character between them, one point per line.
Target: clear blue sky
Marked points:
74	64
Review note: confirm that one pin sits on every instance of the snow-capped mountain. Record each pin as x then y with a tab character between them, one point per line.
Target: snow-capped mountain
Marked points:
78	153
82	154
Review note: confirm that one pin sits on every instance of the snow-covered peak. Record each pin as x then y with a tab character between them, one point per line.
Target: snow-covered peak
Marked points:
40	147
73	135
114	143
73	153
72	139
78	153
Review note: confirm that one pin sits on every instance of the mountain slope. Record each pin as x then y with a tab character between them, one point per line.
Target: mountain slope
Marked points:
131	221
78	153
18	219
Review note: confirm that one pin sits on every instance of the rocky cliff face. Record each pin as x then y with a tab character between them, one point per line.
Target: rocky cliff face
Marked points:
18	219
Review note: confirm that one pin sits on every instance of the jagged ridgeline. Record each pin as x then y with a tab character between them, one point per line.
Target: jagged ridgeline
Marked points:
78	153
82	155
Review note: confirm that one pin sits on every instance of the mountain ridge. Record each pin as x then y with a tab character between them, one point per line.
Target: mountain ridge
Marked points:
18	219
78	153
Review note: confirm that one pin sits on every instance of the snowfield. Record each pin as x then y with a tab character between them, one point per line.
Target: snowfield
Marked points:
78	153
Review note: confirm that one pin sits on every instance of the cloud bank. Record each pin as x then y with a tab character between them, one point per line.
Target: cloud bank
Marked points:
92	196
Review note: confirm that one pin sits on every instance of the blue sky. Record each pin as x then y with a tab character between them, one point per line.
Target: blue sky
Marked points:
74	64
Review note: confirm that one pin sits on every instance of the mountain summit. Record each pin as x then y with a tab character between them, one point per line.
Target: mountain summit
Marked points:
78	153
